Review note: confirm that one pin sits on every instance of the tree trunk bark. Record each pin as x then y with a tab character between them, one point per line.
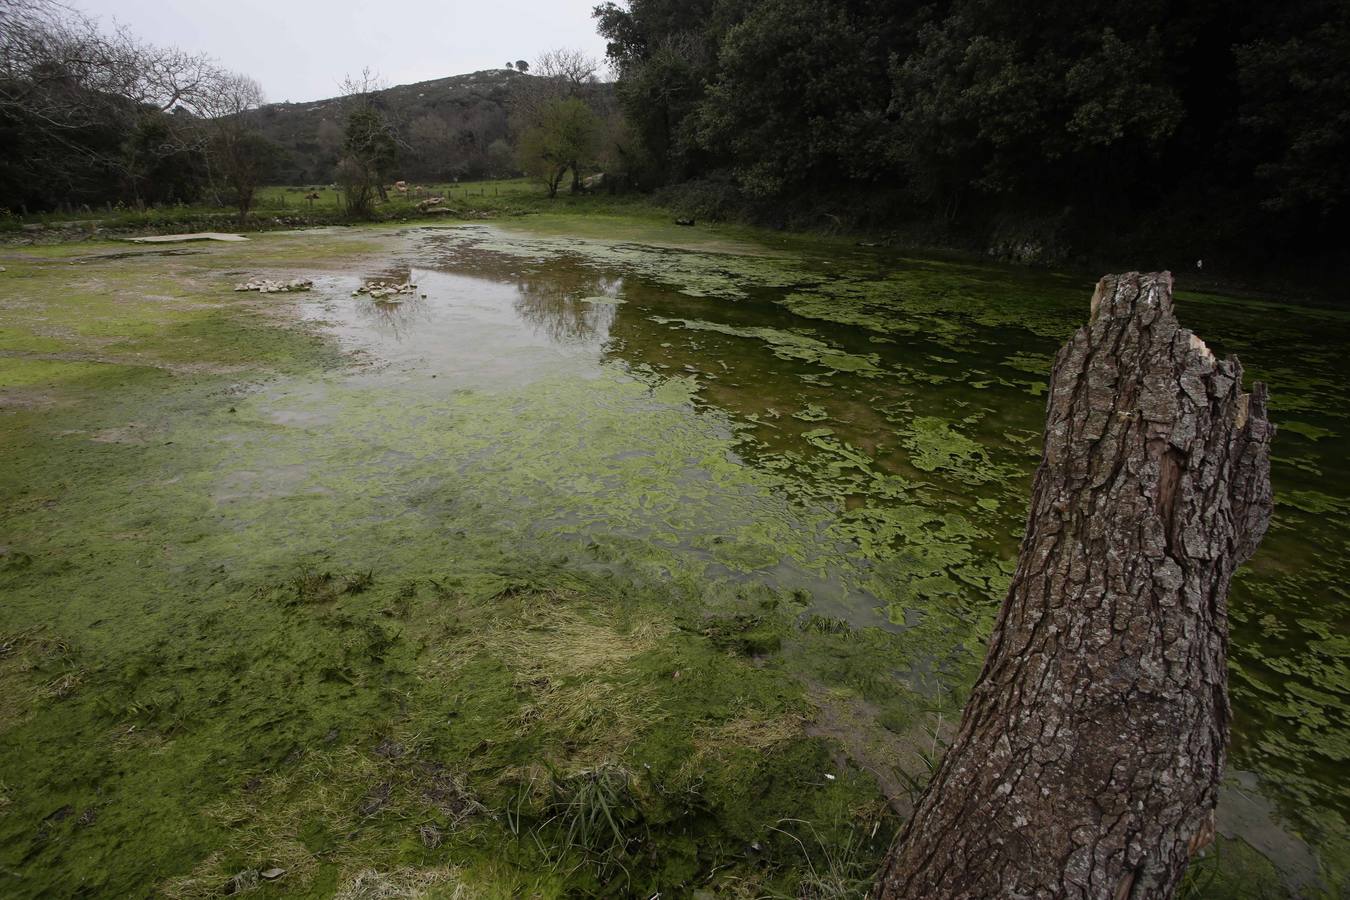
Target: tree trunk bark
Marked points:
1089	754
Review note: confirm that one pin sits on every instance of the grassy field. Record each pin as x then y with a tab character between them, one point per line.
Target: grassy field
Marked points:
286	206
207	675
638	558
465	193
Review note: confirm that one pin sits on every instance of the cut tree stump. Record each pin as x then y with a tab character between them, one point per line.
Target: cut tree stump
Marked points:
1089	754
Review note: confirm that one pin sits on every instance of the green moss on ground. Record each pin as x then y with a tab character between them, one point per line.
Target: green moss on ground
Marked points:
677	610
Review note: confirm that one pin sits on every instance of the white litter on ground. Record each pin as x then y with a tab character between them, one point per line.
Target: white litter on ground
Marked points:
195	236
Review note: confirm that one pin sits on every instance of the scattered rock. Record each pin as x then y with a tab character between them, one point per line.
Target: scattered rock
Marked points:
370	884
267	286
272	874
387	292
686	222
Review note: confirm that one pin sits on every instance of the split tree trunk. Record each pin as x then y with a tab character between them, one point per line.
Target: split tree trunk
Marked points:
1089	754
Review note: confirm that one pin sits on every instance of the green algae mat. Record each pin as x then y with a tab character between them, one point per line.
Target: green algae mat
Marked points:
611	562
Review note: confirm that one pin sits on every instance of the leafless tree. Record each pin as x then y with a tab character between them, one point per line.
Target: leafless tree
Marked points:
370	143
537	103
63	78
237	155
359	88
56	64
572	69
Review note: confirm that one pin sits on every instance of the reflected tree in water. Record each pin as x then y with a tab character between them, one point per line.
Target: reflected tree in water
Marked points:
556	306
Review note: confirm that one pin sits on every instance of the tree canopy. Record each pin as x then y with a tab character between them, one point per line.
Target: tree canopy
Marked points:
562	135
90	116
978	111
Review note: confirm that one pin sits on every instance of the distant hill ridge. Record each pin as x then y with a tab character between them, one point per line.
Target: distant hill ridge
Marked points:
448	128
436	91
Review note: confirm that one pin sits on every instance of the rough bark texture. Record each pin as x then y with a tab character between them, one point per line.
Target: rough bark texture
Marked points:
1090	751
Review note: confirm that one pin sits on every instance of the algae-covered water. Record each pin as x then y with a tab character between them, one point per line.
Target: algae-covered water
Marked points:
613	560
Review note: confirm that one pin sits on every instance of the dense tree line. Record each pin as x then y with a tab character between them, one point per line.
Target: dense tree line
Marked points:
1212	128
91	117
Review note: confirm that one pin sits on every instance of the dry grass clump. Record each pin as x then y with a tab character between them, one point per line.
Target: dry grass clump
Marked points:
202	882
403	884
540	630
570	665
209	880
746	733
34	670
573	668
570	645
339	789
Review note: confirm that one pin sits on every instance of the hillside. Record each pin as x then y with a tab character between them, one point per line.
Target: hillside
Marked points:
449	127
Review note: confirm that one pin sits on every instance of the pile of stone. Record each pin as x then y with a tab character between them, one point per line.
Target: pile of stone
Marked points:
386	291
267	286
428	203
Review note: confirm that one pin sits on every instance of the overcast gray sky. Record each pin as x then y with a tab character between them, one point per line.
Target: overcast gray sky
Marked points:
300	49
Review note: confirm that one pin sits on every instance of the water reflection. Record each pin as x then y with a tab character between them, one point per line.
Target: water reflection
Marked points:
569	311
398	317
451	314
916	427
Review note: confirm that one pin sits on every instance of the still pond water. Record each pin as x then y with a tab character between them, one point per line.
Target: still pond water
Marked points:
843	426
855	426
